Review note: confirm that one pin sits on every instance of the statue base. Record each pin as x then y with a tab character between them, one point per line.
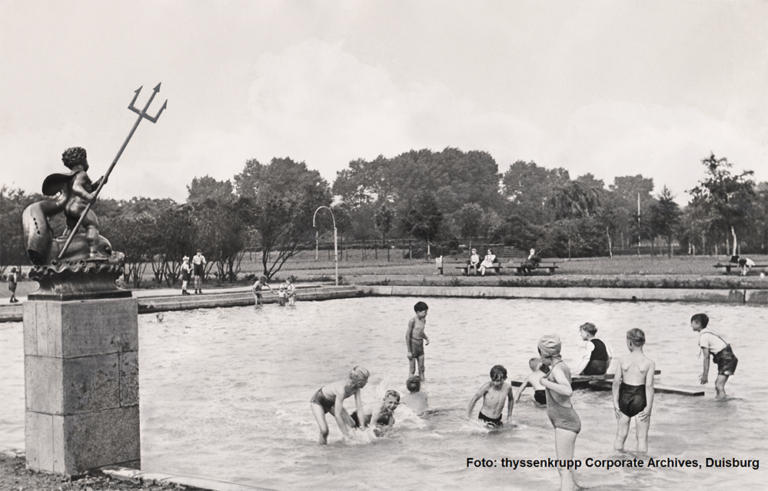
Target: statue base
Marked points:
81	380
78	280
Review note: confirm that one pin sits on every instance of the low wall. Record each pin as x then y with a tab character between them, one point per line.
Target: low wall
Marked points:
757	297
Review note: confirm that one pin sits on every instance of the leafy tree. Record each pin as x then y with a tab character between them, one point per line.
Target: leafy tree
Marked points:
281	198
727	198
135	236
574	201
12	246
469	220
423	219
528	188
384	218
665	217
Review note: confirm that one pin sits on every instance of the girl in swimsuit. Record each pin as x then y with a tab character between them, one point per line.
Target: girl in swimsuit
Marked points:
330	399
559	409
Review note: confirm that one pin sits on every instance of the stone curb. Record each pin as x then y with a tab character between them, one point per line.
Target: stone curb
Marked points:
137	476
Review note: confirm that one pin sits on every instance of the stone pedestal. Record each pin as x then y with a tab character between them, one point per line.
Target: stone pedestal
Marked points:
81	376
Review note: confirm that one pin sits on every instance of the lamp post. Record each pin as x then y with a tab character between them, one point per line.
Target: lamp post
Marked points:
335	239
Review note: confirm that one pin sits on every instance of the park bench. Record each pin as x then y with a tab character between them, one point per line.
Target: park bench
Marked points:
548	266
729	266
496	268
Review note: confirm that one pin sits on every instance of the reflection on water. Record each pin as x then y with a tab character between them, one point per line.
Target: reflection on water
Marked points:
225	394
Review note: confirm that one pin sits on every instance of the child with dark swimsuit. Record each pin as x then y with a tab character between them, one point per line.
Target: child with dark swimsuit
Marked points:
494	393
415	339
721	352
633	392
383	413
533	379
557	386
330	399
598	356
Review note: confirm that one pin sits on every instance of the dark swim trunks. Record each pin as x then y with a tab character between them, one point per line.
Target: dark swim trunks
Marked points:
632	399
596	367
540	396
321	400
383	419
726	361
417	347
490	422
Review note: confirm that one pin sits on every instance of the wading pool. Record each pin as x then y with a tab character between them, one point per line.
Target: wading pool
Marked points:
225	394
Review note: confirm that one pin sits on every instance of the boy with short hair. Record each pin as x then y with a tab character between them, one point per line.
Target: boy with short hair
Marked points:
721	351
598	356
415	338
415	399
330	399
633	392
381	414
474	262
534	380
198	269
494	394
256	289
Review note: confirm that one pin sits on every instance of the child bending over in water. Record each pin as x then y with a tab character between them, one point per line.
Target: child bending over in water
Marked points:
414	399
330	399
633	392
382	414
494	393
721	351
534	380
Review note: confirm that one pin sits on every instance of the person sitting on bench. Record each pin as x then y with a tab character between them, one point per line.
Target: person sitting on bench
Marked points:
474	262
488	261
531	263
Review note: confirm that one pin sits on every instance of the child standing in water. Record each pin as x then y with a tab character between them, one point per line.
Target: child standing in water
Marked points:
633	392
557	386
290	292
494	393
260	284
534	380
330	399
598	357
415	338
415	399
722	354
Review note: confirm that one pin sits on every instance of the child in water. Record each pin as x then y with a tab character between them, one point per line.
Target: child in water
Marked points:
415	400
257	288
330	399
633	392
415	338
721	351
494	393
534	380
382	414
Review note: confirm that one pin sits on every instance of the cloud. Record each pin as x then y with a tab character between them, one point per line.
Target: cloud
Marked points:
667	143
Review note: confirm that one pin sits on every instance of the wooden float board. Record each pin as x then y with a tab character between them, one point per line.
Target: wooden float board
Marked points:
582	379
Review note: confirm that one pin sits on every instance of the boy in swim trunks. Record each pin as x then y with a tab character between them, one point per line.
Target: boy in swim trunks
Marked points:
558	390
534	381
494	394
633	392
415	338
383	413
721	351
415	399
256	289
330	399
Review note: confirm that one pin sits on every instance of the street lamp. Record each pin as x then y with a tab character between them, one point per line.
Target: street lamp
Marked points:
335	240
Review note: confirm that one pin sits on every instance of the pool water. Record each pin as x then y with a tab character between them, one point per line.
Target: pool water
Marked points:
225	394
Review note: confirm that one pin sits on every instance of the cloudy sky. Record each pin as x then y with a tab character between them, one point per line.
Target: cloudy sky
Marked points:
608	87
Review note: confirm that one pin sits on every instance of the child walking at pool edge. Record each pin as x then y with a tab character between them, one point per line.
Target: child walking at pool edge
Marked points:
330	399
494	393
415	338
721	351
534	380
633	392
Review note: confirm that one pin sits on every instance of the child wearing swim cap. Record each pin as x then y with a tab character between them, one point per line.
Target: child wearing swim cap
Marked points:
330	399
633	392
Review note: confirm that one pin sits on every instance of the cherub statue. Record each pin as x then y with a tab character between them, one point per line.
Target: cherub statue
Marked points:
71	193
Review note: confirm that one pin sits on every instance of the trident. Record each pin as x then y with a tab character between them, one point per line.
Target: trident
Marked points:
142	115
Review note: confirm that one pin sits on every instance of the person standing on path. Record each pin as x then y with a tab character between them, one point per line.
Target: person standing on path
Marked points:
198	268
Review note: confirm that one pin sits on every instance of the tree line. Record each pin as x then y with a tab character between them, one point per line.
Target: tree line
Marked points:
440	200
